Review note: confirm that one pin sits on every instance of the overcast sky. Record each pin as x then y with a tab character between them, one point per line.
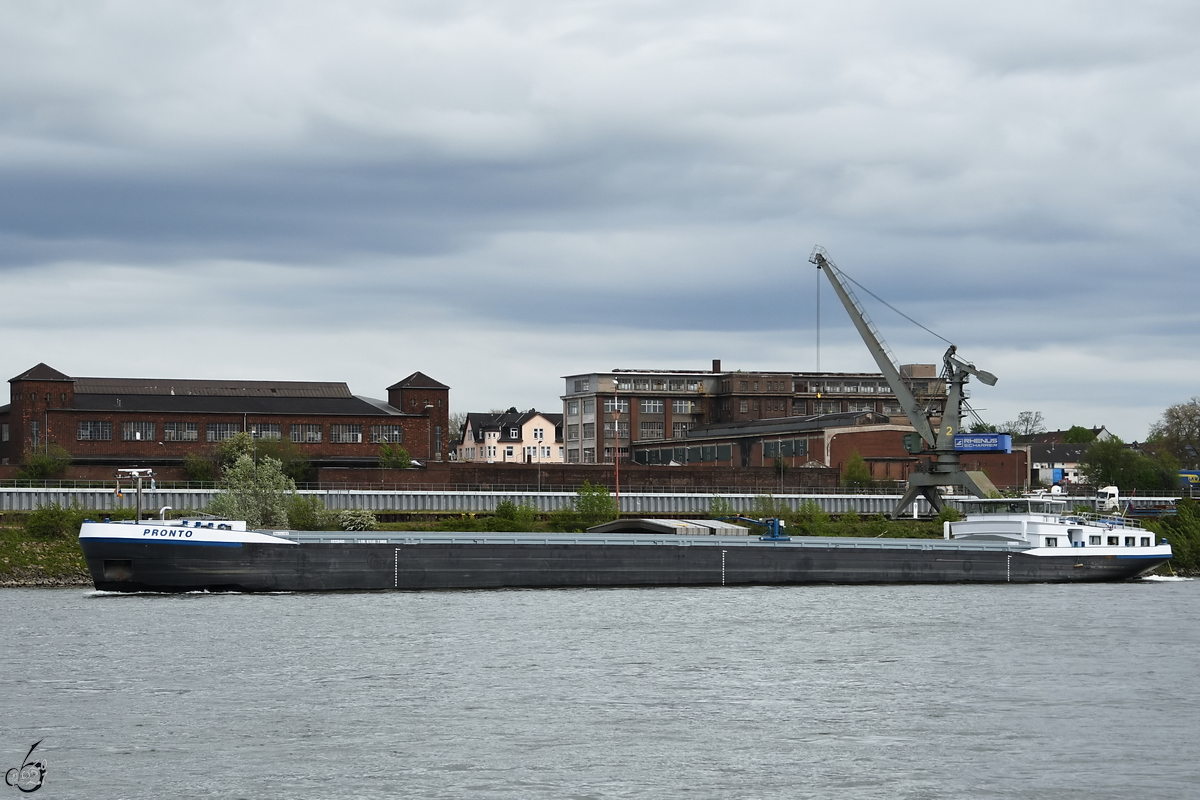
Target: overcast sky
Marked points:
501	193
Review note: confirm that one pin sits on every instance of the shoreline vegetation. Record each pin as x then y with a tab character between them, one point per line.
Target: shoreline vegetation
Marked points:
40	549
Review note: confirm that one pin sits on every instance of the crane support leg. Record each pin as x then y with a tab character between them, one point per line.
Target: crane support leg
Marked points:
925	484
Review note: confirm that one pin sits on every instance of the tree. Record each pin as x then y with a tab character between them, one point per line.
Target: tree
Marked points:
983	427
1179	432
719	507
393	456
1111	463
46	464
856	473
256	493
1077	434
594	505
1027	423
458	421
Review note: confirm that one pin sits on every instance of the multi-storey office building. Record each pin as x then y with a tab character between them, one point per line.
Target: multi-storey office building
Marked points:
113	421
604	413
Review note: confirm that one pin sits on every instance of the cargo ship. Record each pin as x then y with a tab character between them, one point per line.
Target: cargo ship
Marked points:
999	541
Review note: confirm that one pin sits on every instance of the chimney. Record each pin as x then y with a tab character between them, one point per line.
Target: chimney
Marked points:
716	365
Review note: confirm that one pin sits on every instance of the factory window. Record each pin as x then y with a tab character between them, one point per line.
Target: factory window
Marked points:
622	429
345	434
137	431
572	433
573	455
862	405
744	406
676	386
4	432
683	406
743	385
624	384
220	431
305	434
589	455
34	434
589	406
181	431
652	406
267	431
679	429
616	404
589	430
393	434
609	454
94	431
573	407
828	407
652	430
583	386
642	384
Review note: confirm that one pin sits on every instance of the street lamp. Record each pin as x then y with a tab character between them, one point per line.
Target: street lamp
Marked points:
537	437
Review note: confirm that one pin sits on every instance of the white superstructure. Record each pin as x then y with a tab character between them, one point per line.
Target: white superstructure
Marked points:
1044	526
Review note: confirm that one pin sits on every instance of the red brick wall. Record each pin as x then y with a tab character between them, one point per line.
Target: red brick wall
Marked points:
63	430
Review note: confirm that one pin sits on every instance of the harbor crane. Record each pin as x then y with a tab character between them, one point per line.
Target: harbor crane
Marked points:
935	429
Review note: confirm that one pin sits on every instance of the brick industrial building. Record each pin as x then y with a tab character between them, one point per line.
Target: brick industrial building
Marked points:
157	422
610	412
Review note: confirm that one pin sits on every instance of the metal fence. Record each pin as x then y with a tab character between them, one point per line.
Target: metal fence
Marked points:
647	504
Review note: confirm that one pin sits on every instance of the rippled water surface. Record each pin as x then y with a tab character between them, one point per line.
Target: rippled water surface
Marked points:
855	692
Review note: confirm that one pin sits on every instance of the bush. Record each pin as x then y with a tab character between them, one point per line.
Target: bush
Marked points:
307	513
355	520
462	522
766	506
48	464
54	522
810	520
511	516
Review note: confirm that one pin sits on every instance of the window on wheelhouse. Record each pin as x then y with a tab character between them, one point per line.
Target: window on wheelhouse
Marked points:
1145	541
1129	540
1114	541
1051	541
1094	540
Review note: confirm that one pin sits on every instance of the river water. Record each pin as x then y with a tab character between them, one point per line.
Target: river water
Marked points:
1045	691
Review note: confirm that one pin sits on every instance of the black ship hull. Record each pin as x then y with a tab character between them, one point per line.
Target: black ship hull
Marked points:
132	566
